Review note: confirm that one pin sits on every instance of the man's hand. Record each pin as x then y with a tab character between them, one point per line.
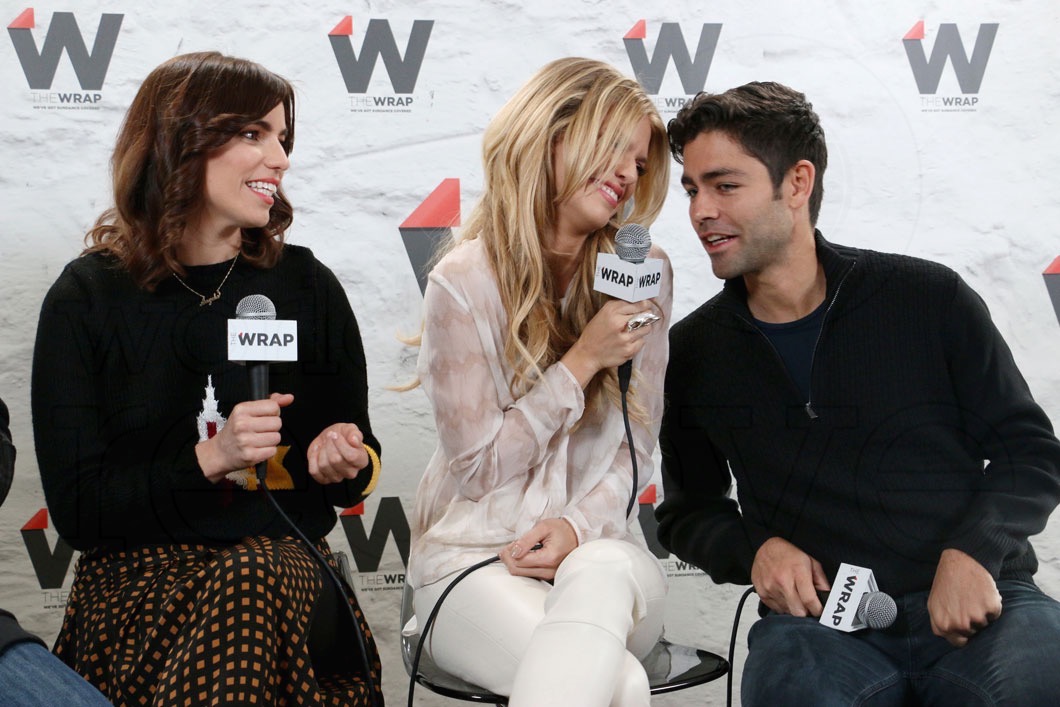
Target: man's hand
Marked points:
963	599
787	579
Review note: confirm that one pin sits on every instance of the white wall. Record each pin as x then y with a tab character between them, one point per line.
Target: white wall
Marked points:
974	189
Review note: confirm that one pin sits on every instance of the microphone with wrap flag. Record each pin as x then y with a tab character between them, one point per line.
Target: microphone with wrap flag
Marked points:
256	338
629	275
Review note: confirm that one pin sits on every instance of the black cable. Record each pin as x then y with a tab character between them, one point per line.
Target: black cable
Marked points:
434	613
625	372
362	640
732	646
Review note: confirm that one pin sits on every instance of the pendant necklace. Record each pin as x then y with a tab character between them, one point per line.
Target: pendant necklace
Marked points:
205	301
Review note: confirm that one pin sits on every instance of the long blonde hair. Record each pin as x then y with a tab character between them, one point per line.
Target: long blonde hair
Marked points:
594	110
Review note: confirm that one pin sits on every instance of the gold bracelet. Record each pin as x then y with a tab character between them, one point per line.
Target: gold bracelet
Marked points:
377	467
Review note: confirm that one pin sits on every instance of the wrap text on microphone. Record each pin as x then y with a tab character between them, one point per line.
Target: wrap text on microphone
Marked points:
262	340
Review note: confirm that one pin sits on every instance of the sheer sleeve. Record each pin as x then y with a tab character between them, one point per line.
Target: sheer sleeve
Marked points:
488	438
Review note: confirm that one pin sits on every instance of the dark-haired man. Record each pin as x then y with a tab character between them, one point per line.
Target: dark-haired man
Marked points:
871	414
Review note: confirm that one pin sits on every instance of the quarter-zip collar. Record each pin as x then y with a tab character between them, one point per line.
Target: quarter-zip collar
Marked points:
837	261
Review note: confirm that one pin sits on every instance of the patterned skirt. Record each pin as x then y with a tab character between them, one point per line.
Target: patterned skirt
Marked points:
195	625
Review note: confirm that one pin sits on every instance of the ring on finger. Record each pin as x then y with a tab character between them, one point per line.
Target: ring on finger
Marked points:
640	320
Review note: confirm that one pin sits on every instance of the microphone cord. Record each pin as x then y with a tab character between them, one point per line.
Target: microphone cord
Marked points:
434	613
732	645
625	372
340	587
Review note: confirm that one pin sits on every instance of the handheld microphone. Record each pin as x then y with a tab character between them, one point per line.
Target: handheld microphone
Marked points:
257	307
628	274
255	338
856	587
877	610
632	244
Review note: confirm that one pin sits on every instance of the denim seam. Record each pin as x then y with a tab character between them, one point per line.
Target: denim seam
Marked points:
876	688
954	679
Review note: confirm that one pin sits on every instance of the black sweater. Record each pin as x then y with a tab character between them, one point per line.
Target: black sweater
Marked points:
120	376
912	390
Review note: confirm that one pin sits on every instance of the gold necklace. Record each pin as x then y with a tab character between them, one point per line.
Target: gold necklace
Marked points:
205	301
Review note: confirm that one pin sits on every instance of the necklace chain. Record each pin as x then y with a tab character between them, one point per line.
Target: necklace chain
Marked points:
205	301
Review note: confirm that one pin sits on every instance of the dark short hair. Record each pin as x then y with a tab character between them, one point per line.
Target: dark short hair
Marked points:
186	108
773	123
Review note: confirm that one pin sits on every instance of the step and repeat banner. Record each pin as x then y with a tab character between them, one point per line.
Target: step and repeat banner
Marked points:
941	124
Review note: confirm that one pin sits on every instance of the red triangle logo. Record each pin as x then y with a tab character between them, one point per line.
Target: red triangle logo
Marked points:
39	521
639	31
648	496
23	21
357	510
439	210
344	28
917	32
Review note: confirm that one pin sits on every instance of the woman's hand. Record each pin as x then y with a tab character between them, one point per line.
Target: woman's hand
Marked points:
250	435
606	342
337	454
556	538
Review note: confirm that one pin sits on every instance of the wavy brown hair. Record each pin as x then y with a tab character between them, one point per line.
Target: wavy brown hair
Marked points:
185	109
594	110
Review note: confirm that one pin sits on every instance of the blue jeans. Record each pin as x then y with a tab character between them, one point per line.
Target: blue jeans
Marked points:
30	676
1013	661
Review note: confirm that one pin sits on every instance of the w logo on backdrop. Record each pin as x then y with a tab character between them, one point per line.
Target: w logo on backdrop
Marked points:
64	35
430	227
1052	283
969	70
379	43
50	564
670	47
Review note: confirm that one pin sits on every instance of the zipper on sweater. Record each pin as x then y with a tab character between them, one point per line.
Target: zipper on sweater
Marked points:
776	354
824	320
808	406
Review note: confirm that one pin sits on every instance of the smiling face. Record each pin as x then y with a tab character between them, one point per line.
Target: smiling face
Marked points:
242	178
602	196
743	222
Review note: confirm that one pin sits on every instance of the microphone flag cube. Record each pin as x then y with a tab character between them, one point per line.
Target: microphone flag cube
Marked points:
841	609
628	281
262	340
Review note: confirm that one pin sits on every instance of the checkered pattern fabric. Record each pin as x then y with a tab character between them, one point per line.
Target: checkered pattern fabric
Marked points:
194	625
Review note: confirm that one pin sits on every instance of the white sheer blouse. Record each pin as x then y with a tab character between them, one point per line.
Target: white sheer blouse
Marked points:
502	464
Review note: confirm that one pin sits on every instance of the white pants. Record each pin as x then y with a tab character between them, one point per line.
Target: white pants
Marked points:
575	643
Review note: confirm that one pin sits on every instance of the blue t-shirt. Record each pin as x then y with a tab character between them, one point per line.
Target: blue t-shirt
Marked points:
795	342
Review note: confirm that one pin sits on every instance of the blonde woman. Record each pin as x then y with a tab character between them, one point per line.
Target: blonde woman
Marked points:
518	358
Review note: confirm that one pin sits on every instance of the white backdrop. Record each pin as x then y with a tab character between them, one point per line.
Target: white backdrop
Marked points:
963	174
